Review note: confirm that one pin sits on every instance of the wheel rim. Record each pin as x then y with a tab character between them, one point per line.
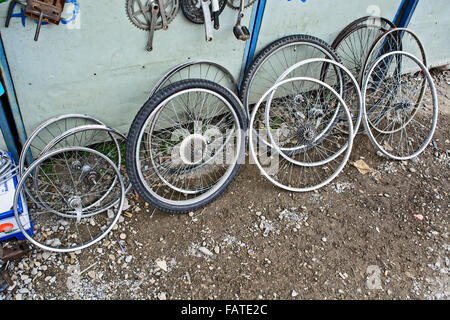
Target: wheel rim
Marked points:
200	69
314	51
304	179
71	231
154	189
407	124
353	47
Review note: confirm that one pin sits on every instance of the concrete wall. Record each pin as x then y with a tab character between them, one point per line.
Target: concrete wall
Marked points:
431	23
320	18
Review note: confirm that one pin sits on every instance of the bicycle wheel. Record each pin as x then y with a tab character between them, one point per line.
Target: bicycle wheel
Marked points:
200	69
69	179
105	140
398	39
353	45
49	130
320	159
368	20
335	75
402	125
274	59
186	145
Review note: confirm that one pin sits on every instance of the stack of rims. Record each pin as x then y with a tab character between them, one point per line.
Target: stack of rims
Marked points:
304	109
72	178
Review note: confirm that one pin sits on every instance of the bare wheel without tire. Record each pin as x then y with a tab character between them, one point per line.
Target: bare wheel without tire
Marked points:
401	97
69	181
299	154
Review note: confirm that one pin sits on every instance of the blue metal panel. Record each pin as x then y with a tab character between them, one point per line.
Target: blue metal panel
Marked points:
258	12
13	108
7	134
405	13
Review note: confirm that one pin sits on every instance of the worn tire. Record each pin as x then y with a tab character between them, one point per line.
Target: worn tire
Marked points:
140	120
271	48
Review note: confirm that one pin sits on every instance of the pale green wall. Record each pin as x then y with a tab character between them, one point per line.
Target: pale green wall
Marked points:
56	74
431	23
320	18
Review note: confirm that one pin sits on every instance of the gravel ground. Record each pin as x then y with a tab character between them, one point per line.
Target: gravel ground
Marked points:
380	235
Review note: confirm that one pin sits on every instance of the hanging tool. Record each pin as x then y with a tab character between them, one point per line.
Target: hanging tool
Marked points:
215	13
241	32
204	12
151	15
207	17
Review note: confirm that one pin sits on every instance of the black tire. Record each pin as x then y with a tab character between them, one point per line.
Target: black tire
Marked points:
357	22
138	123
196	15
271	48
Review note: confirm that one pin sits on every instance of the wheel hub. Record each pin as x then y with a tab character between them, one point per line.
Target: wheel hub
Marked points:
306	134
193	149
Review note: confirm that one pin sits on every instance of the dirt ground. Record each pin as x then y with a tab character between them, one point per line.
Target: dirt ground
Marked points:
383	235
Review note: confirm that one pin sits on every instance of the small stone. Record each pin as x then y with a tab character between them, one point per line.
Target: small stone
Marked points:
111	214
126	205
128	259
123	236
161	264
217	249
191	214
92	274
324	239
294	293
205	251
162	296
412	170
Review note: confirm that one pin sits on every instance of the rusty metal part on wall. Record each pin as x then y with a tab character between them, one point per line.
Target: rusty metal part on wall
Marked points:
42	10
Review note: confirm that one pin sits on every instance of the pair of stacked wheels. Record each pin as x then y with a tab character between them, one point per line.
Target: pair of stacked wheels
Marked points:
304	110
71	183
400	106
187	143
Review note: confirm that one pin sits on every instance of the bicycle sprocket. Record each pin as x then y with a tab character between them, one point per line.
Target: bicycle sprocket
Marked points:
192	10
139	13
